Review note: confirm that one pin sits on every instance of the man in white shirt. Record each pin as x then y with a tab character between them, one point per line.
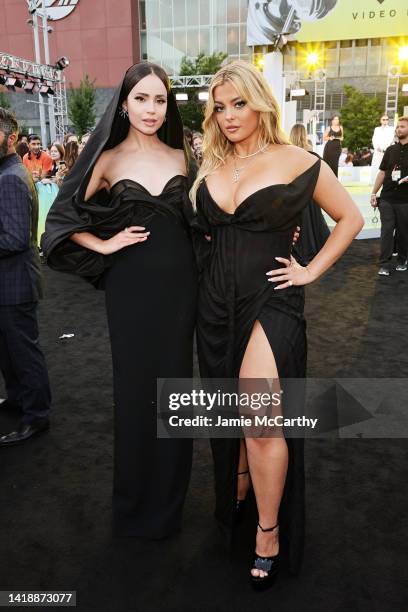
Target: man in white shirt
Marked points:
383	137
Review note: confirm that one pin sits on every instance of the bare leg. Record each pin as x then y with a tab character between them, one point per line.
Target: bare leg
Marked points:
267	457
244	480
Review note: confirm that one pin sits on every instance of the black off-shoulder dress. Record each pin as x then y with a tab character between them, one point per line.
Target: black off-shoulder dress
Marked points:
234	293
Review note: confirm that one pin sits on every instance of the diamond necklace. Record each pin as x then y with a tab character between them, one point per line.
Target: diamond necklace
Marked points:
236	172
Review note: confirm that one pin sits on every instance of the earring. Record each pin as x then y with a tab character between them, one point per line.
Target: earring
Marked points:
123	112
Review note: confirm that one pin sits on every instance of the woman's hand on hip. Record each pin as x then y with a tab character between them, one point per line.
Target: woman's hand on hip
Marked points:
128	236
291	274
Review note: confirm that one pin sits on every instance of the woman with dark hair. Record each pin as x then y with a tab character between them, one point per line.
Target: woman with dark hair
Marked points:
121	221
22	148
333	137
71	154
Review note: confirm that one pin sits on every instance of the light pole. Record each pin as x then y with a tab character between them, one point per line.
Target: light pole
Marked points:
35	7
51	113
32	7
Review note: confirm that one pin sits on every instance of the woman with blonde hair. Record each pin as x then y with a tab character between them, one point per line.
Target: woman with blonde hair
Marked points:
298	137
315	231
249	194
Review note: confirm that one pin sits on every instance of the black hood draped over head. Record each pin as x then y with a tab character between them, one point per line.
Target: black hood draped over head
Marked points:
70	213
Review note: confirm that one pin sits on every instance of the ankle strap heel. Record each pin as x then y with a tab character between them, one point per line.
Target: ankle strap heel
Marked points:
266	564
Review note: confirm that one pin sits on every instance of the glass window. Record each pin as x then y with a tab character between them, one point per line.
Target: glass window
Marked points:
166	14
152	15
243	45
192	43
232	41
330	63
179	13
166	47
204	12
204	41
374	59
180	41
220	41
244	11
192	12
221	12
346	62
233	11
360	61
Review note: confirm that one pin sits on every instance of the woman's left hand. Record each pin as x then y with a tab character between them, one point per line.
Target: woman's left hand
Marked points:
292	274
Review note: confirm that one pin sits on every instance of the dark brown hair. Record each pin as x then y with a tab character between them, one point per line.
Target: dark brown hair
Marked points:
71	153
22	148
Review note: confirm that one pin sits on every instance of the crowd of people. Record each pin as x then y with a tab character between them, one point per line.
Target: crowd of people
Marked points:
50	164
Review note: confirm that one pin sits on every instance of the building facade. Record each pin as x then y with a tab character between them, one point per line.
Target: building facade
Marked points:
102	38
172	29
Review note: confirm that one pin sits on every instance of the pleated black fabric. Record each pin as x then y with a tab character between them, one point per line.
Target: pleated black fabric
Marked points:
234	292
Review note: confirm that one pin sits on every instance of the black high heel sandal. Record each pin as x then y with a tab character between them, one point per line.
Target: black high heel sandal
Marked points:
240	504
266	564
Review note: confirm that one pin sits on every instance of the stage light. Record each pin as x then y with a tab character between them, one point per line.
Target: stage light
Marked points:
44	89
62	63
182	97
297	93
29	86
13	82
312	59
403	53
203	96
259	62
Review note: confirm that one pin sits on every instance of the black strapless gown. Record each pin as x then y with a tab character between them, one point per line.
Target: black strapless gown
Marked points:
332	151
151	291
234	292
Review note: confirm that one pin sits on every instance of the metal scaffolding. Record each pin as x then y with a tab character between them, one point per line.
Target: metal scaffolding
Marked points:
26	70
200	80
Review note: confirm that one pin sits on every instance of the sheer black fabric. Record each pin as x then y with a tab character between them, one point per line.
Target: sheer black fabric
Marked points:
234	293
314	232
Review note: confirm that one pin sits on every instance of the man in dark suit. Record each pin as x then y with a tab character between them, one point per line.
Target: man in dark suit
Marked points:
22	362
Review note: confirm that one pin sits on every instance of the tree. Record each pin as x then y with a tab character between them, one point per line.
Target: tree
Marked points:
359	116
81	106
203	64
4	101
192	111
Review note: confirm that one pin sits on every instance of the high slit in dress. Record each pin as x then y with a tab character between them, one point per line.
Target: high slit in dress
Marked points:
233	294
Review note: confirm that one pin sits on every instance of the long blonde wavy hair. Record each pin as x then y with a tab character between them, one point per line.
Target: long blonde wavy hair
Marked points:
255	90
298	136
